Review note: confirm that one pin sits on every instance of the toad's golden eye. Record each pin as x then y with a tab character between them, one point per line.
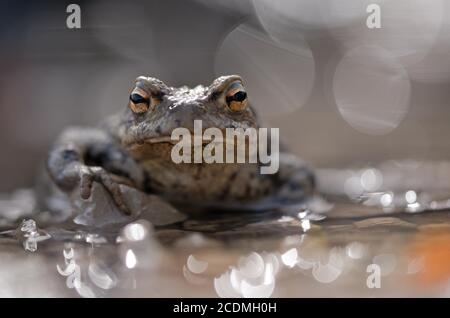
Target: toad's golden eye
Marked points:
139	101
236	97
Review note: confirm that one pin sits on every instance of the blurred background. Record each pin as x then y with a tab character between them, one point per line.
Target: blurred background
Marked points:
341	93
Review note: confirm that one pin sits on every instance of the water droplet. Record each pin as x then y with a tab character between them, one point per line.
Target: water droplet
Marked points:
30	235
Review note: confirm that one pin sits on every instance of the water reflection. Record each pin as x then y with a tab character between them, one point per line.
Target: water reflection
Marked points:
130	259
329	272
295	251
194	269
88	276
392	186
253	277
134	263
355	250
137	247
196	266
290	258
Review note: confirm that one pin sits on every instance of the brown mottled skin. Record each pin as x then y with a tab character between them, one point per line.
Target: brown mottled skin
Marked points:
134	148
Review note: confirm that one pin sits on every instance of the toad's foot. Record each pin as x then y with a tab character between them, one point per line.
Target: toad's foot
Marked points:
84	176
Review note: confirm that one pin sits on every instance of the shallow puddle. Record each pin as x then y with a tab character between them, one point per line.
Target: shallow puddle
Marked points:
390	241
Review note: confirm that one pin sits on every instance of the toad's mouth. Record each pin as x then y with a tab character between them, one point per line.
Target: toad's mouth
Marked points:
215	148
194	140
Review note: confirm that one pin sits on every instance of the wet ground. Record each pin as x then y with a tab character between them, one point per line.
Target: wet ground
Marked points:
373	232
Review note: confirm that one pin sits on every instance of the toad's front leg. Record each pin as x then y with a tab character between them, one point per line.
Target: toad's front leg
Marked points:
82	156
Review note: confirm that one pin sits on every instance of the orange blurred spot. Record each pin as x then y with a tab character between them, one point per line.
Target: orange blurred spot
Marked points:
434	251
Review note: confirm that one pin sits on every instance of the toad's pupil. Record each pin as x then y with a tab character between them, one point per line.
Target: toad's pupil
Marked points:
240	96
138	99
